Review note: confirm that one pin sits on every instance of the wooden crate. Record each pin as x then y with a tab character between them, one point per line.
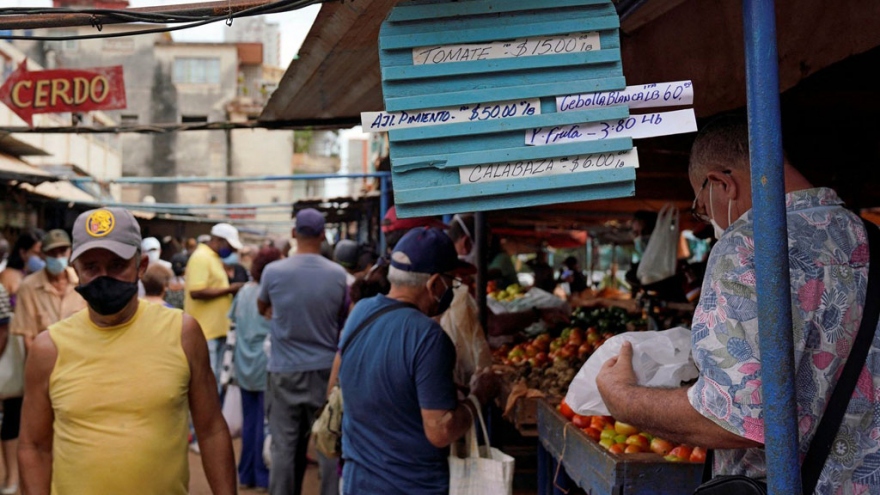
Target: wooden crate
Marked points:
600	472
524	414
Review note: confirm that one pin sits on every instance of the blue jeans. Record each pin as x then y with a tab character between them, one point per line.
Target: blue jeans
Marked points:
252	470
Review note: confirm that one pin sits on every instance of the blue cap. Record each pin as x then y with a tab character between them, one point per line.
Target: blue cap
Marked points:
427	250
310	222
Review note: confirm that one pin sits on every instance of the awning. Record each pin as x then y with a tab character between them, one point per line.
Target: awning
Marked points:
61	190
12	168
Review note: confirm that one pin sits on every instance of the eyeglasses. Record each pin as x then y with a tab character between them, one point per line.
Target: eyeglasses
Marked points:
698	215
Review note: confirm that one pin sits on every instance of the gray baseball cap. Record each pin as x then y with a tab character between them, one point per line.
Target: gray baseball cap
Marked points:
113	229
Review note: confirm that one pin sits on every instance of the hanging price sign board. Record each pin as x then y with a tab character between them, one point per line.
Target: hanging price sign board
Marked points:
488	103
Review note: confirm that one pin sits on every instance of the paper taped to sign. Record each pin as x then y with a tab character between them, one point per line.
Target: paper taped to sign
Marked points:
544	167
521	47
668	94
636	127
385	121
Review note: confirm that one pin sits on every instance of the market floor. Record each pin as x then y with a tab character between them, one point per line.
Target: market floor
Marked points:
198	484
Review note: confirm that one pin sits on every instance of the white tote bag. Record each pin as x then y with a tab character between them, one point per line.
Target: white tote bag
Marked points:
485	471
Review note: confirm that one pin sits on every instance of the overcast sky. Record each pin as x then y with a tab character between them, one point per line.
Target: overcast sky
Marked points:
294	25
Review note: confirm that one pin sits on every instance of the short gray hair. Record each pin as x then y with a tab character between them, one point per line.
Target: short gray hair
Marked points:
407	279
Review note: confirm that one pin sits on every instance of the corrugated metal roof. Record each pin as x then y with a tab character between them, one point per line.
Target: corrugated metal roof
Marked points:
336	76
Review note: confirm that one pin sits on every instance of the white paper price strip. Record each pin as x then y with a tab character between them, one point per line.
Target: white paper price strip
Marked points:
544	167
521	47
678	93
385	121
637	127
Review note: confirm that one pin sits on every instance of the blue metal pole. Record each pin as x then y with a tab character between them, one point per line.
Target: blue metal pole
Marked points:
383	208
771	248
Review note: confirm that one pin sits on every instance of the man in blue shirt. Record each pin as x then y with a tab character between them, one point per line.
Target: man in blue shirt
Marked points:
396	373
305	295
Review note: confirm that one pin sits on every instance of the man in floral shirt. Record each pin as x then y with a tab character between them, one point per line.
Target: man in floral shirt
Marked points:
828	256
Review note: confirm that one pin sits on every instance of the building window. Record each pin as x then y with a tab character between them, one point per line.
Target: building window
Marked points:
194	119
64	45
128	119
197	70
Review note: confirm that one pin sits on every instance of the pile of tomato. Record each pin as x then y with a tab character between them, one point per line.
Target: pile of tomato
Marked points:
621	438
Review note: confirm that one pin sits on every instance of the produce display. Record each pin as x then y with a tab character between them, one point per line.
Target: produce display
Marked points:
549	363
621	438
512	292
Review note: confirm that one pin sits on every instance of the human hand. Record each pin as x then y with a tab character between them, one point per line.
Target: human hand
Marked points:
616	378
234	288
485	385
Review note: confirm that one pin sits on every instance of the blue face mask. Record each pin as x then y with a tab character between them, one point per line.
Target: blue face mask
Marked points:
225	252
56	266
231	259
35	264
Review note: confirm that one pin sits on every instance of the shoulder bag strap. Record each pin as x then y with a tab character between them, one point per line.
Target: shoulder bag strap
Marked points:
837	404
373	317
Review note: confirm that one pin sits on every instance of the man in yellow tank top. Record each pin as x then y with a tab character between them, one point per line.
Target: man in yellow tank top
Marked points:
108	389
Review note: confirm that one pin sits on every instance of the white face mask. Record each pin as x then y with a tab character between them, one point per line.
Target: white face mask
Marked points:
718	231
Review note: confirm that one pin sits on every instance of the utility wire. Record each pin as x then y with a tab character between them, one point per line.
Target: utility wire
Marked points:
126	16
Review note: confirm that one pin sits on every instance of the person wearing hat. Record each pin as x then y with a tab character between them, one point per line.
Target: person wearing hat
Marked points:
208	293
346	254
394	228
402	410
124	375
47	296
305	294
153	249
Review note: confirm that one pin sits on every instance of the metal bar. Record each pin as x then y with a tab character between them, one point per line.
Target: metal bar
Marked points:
162	128
70	19
771	248
383	208
481	243
255	178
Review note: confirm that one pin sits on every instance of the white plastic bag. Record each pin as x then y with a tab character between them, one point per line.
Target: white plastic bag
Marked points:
485	471
658	261
232	411
660	359
461	322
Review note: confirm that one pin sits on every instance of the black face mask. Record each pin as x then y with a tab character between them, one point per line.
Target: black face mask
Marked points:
444	301
106	295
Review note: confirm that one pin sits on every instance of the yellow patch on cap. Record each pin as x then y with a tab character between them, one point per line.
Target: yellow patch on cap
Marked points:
100	223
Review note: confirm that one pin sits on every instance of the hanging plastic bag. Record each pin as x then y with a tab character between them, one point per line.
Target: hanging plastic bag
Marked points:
461	322
658	260
660	359
232	411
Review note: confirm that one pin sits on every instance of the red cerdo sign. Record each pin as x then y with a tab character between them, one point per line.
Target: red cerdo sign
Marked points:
63	90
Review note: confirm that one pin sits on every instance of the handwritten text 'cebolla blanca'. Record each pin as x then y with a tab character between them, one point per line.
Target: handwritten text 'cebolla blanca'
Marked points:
544	167
679	93
385	121
636	127
521	47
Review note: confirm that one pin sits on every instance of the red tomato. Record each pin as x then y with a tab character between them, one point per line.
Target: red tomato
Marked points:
565	410
598	423
698	455
592	433
633	449
617	448
660	446
683	452
580	421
